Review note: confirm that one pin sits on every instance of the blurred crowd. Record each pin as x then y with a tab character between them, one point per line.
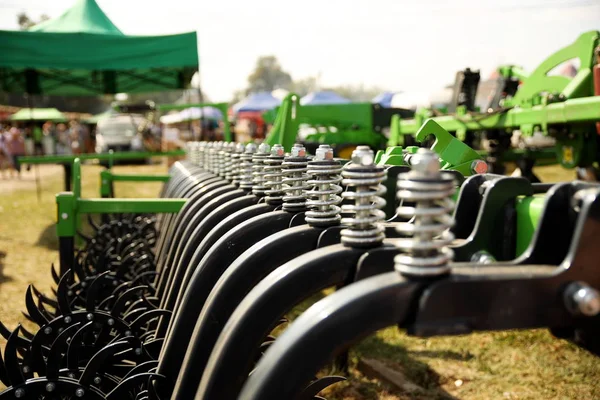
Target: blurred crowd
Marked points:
41	139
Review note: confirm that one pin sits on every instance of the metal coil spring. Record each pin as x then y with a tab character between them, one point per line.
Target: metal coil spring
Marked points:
225	157
295	180
215	157
231	170
365	227
323	199
192	150
206	156
426	238
274	175
245	166
258	169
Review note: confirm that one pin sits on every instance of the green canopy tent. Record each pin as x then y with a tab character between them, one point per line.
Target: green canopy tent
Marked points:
83	53
38	114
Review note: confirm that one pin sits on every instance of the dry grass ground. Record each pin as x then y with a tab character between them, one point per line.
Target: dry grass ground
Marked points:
504	365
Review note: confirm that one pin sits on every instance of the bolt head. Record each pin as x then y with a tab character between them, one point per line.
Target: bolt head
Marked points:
68	320
79	392
50	387
264	148
127	333
298	151
479	167
425	162
250	148
138	351
111	322
47	330
239	148
89	316
277	150
26	369
588	301
64	215
97	380
363	155
20	393
324	152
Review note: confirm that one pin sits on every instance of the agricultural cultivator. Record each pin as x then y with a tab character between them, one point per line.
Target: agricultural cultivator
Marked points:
182	296
549	117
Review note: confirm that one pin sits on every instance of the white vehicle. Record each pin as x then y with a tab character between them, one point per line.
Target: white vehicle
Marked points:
120	133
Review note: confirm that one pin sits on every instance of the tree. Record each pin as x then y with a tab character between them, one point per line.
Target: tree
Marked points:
304	86
268	76
25	22
357	92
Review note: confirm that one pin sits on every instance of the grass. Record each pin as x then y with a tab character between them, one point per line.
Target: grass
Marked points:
505	365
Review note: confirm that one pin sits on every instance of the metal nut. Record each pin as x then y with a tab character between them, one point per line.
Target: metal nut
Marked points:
363	155
324	152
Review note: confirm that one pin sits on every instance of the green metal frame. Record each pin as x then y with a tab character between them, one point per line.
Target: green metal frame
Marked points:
223	107
541	103
352	123
110	157
107	178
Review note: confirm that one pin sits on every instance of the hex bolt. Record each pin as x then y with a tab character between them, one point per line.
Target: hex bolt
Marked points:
79	392
479	167
363	155
483	257
582	299
48	330
68	319
20	393
97	380
50	386
89	316
277	150
324	152
298	150
64	215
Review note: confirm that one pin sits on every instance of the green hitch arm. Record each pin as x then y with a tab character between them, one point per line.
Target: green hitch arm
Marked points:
107	178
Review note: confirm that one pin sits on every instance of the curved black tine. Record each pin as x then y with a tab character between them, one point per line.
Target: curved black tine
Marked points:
103	305
5	333
143	275
92	223
11	360
26	334
126	385
119	306
64	305
98	360
47	314
147	366
41	296
54	292
75	345
133	314
27	316
93	291
143	395
85	237
136	304
148	316
3	374
55	275
58	348
35	314
121	288
315	387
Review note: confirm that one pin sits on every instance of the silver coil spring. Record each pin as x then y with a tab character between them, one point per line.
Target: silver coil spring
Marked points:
232	173
295	180
365	228
426	237
274	175
215	157
224	158
206	156
323	199
258	169
245	166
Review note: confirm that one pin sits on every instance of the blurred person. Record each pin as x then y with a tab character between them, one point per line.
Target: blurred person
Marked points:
37	134
15	144
63	141
5	160
74	135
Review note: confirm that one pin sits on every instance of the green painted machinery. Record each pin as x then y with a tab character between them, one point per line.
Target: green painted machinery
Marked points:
540	103
343	126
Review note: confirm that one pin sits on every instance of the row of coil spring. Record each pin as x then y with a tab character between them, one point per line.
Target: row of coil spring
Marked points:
424	195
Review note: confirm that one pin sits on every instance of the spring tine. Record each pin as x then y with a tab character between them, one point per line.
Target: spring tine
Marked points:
315	387
47	314
34	313
98	360
136	304
27	316
148	316
75	345
58	348
54	292
93	291
133	314
11	360
5	333
104	304
148	366
124	298
55	276
143	395
26	334
148	274
126	385
3	373
62	294
44	298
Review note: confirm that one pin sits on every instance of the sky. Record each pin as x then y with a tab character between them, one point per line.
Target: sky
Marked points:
394	44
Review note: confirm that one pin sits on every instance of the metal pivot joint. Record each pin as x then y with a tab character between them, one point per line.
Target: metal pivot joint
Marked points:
245	169
324	199
365	227
295	180
426	238
258	169
274	175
